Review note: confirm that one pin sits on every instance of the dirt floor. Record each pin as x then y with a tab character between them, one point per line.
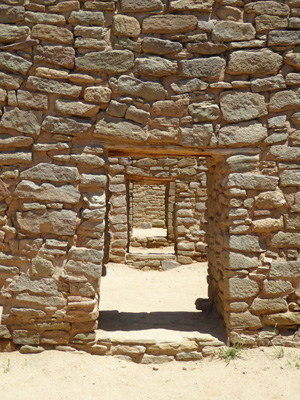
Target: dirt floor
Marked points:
152	300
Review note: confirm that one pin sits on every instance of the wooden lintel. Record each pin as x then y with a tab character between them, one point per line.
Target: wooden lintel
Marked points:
149	179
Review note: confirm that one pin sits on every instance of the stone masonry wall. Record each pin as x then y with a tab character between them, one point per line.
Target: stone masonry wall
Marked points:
81	81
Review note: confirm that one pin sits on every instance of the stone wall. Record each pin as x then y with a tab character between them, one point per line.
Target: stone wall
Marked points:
84	83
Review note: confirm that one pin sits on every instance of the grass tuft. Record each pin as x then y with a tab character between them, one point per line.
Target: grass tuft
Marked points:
231	352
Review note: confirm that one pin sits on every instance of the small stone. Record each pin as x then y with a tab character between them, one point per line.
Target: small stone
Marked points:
52	86
120	130
209	68
44	18
126	26
111	61
97	94
11	33
160	46
21	121
14	63
86	18
66	126
244	133
52	33
229	31
133	6
169	24
154	66
148	90
77	108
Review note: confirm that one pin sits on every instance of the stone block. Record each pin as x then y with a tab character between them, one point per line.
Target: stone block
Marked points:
10	34
268	306
52	86
10	81
65	126
124	25
284	100
25	337
44	18
283	38
290	177
194	5
110	61
56	55
204	112
51	173
241	106
85	268
208	68
169	24
232	260
22	121
42	267
14	63
133	6
50	33
261	62
285	239
160	46
77	108
267	225
246	243
269	200
244	320
251	181
154	66
34	100
282	319
120	130
267	8
229	31
241	134
86	18
97	94
149	91
188	85
285	270
9	14
242	288
275	288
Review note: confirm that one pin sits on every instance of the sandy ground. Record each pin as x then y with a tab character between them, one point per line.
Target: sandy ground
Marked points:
152	300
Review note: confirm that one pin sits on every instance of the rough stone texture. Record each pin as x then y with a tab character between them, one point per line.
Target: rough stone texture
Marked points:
209	68
165	24
21	121
150	91
228	31
56	55
262	62
111	61
242	134
52	33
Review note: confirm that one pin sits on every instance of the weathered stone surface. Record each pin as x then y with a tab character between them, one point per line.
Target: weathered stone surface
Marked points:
14	63
209	68
21	121
268	84
241	288
251	181
284	100
16	141
283	38
97	94
42	267
4	192
160	46
264	23
86	18
52	86
268	8
111	61
267	225
51	173
169	23
133	6
95	32
26	337
71	5
262	62
44	18
85	268
10	14
290	177
198	135
285	270
241	106
47	192
52	33
292	57
8	272
150	91
10	34
244	133
39	286
35	100
77	108
65	125
56	55
247	243
91	180
188	85
137	115
228	31
194	5
62	222
244	320
268	306
268	200
204	112
15	158
168	108
285	239
234	260
126	26
292	221
282	319
10	81
154	66
90	43
274	288
120	130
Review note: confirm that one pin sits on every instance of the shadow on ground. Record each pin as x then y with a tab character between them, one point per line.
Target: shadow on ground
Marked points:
203	322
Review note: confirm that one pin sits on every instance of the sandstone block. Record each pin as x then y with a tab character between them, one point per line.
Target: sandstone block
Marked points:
97	94
267	225
21	121
276	288
209	68
61	222
26	337
204	112
133	6
292	221
168	108
198	135
52	33
126	26
52	86
44	286
169	24
285	270
95	32
71	5
284	100
9	14
229	31
77	108
246	243
8	272
285	239
14	63
149	91
254	62
137	115
282	319
120	130
86	268
4	192
251	181
35	100
268	8
244	320
65	126
85	254
160	46
39	301
268	200
235	261
191	5
111	61
86	18
154	66
264	23
241	134
284	153
290	177
268	306
268	84
292	57
44	18
90	43
207	48
55	337
10	33
47	192
241	288
56	55
283	38
93	180
11	158
240	106
10	81
188	85
51	173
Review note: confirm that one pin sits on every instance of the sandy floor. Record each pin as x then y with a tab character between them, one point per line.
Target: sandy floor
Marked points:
168	298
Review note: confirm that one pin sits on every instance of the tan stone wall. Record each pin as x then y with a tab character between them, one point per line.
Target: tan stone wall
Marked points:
84	83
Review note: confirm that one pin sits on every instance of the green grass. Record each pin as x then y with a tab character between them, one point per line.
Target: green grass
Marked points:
7	368
230	352
279	353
